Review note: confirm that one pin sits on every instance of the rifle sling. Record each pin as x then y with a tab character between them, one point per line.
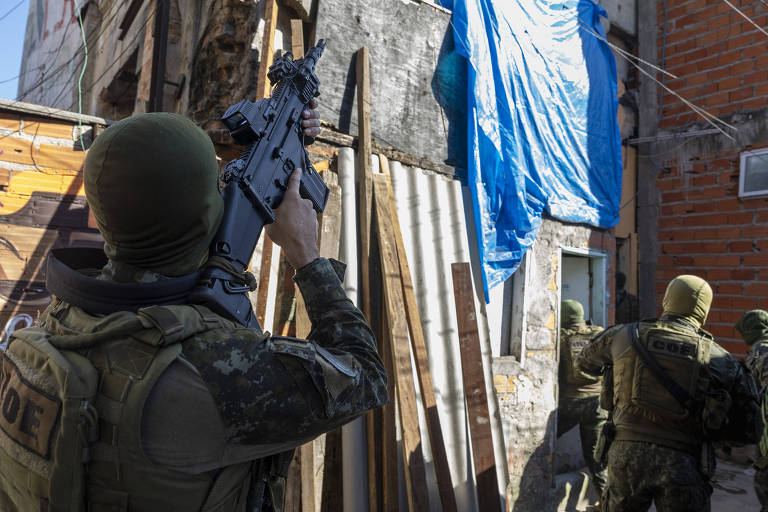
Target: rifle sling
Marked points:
674	389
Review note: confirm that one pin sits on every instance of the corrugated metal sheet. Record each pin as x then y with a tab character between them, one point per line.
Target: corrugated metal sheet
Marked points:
434	224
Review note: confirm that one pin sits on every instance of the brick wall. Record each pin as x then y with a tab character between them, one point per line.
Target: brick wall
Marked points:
704	227
720	59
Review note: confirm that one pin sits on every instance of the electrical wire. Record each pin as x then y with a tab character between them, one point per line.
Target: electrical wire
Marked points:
758	27
9	11
80	81
127	47
65	65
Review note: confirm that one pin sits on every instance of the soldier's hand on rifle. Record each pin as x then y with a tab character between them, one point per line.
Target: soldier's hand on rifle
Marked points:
295	226
311	121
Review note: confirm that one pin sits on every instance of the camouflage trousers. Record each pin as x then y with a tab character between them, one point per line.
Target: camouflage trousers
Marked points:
761	487
587	414
642	473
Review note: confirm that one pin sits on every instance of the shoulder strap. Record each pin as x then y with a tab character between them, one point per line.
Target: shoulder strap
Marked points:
681	395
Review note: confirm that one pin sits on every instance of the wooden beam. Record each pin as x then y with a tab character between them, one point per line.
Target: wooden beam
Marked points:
419	347
297	38
364	210
321	468
263	89
330	135
474	389
415	473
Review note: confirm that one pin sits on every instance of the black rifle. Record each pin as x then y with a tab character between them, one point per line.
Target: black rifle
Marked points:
255	183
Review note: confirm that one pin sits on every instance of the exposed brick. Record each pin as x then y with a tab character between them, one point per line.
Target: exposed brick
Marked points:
729	83
727	205
743	274
754	231
742	67
740	218
710	260
730	316
734	347
744	303
756	289
755	260
741	246
744	93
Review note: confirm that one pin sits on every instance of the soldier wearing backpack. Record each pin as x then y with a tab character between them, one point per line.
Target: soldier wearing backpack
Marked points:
753	327
674	392
126	398
579	393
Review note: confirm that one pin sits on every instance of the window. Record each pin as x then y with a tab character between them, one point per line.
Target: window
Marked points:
753	173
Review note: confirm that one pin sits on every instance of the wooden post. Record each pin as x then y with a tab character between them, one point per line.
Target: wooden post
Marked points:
297	38
474	390
317	469
364	209
415	475
262	87
419	346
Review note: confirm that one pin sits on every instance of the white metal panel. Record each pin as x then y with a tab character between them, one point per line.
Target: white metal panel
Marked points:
433	220
353	444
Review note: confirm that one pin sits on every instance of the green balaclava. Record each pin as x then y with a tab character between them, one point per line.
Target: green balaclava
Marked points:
753	326
151	181
571	313
688	297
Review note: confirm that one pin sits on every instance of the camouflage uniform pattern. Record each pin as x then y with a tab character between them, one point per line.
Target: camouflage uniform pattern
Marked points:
753	327
587	414
334	379
640	473
757	361
234	402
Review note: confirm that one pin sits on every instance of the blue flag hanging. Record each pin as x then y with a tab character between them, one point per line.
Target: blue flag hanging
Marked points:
543	133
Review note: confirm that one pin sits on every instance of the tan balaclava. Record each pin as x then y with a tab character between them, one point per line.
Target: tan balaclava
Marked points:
571	313
151	181
688	297
753	326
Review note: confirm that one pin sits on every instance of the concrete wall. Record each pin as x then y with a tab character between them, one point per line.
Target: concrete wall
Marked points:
703	227
527	392
405	41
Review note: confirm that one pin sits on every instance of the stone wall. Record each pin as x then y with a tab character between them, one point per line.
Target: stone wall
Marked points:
527	393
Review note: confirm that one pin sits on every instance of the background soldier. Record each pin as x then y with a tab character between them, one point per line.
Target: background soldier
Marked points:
753	327
579	398
195	412
627	305
657	452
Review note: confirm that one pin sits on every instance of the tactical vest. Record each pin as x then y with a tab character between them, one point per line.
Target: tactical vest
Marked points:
574	382
86	393
643	408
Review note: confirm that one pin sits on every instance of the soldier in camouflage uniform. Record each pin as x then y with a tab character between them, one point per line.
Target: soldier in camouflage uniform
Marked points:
579	396
196	412
753	327
655	457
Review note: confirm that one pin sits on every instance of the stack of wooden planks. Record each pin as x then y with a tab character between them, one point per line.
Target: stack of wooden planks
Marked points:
388	300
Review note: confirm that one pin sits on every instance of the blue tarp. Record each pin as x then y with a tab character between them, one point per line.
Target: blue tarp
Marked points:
542	133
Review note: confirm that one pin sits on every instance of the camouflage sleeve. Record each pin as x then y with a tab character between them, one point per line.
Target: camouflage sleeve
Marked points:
597	354
757	362
272	390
